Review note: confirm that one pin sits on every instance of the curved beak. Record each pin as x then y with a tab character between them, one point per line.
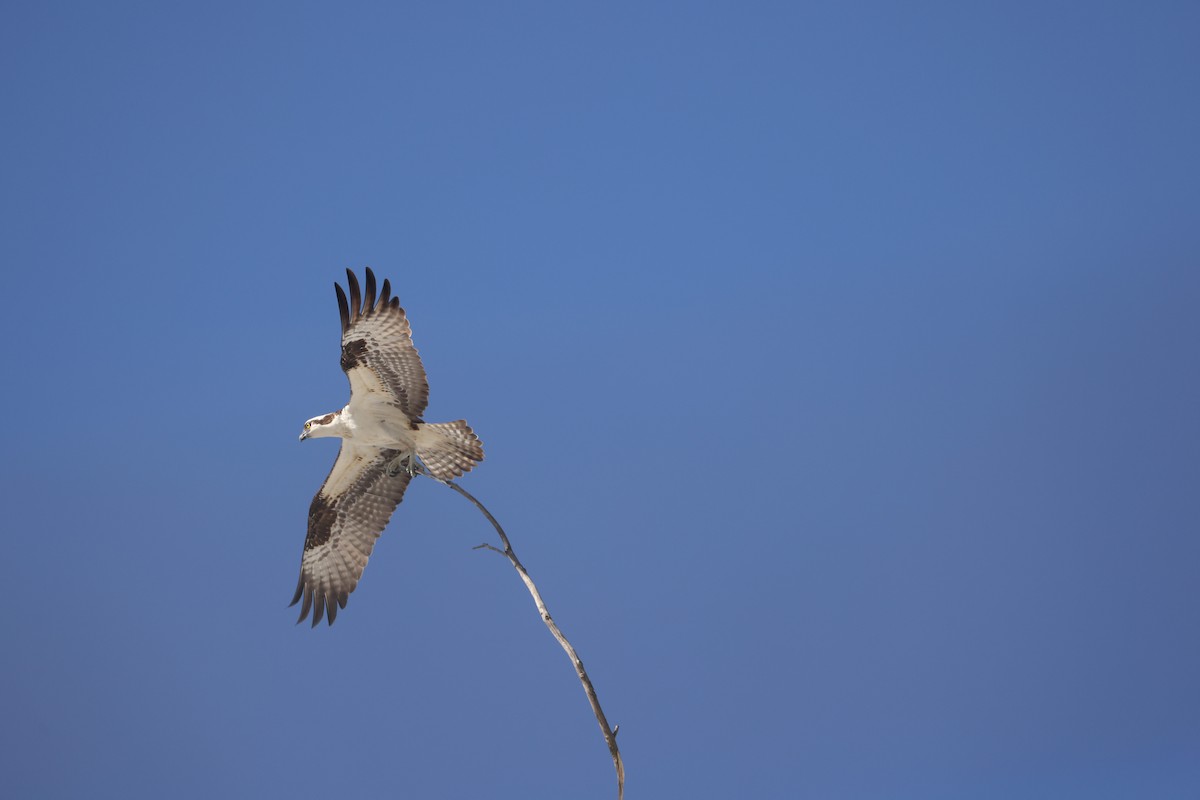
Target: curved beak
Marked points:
304	436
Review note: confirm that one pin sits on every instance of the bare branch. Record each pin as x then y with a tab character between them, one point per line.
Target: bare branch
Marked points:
610	734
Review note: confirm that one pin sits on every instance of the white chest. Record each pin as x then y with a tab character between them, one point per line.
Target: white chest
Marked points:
379	424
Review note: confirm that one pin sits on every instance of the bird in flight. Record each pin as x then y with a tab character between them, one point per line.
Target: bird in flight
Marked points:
384	442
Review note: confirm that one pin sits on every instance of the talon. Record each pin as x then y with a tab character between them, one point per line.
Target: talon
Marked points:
400	464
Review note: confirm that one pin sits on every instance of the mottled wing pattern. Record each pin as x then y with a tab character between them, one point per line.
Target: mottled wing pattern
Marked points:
345	518
377	350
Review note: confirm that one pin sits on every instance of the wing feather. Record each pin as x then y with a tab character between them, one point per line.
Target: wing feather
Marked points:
346	517
355	292
378	355
369	299
343	307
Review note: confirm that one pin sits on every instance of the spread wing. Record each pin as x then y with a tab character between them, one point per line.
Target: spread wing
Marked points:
377	350
345	518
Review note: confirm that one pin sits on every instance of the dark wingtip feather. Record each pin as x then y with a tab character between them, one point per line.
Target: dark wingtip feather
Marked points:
369	299
306	605
299	591
355	295
383	296
331	610
343	308
318	607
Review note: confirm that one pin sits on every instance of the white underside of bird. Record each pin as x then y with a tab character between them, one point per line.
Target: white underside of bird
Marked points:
374	422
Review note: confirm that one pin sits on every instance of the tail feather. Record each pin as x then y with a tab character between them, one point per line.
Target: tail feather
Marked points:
448	449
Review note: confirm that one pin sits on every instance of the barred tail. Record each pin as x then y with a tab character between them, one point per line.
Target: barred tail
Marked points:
448	449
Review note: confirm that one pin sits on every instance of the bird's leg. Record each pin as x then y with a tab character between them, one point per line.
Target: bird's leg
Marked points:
406	462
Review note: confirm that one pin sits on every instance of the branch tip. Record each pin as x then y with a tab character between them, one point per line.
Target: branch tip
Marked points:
610	734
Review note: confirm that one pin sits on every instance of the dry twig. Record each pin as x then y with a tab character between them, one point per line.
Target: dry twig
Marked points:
610	734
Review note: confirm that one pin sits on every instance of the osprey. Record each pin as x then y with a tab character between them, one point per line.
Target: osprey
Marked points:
383	437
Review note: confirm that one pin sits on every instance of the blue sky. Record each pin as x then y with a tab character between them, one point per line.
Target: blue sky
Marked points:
836	365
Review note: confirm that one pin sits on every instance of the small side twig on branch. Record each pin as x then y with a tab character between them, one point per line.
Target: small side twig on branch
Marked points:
610	734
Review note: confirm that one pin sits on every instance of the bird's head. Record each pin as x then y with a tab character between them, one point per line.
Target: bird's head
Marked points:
318	427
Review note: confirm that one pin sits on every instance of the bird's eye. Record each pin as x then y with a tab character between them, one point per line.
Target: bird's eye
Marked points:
307	425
